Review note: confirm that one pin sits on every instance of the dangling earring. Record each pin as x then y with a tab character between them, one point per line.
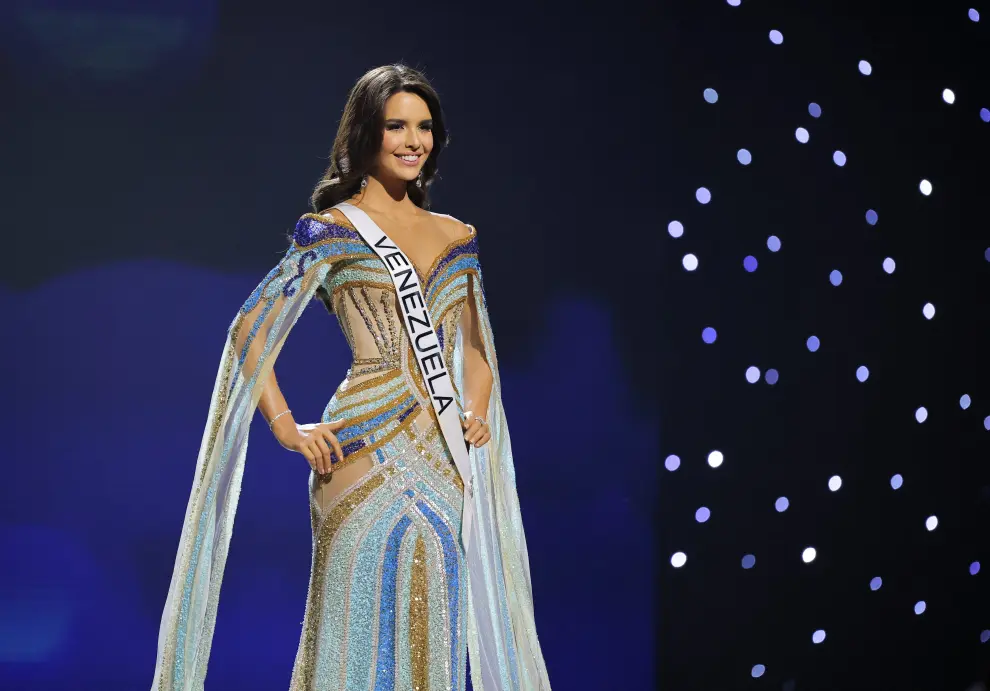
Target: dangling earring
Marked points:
364	181
419	179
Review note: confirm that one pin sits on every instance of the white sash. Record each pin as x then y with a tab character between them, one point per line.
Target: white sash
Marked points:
426	347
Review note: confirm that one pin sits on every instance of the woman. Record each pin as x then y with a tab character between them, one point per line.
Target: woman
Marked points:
419	554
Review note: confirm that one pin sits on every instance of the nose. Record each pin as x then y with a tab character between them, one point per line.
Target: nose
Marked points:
412	138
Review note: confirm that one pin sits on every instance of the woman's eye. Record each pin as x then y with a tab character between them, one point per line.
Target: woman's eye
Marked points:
394	126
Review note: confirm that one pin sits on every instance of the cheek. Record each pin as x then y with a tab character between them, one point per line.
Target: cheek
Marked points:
390	142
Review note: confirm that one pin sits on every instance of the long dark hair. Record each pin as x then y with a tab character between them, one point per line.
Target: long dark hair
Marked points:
359	136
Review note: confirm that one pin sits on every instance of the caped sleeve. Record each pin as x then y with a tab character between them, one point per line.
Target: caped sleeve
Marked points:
253	342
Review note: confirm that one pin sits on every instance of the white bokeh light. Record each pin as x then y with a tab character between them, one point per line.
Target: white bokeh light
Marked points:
973	14
839	158
734	3
678	559
781	504
875	583
921	414
965	401
928	310
889	265
776	37
920	607
758	671
835	278
752	374
672	462
808	555
675	228
711	95
896	481
715	459
818	636
926	187
865	68
703	195
931	523
702	514
835	483
690	262
802	135
773	243
862	373
948	96
744	156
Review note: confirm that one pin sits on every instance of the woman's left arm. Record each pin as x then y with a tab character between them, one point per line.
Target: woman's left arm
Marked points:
477	373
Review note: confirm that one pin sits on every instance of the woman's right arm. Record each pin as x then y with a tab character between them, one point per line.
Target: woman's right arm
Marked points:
312	441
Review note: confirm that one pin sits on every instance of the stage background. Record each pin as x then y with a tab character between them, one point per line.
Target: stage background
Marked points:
154	155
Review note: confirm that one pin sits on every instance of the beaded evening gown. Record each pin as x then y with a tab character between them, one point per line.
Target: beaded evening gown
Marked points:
390	602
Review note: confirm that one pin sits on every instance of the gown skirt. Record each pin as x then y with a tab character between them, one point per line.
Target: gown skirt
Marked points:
387	603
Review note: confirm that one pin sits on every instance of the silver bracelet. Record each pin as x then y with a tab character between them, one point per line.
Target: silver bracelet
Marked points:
271	422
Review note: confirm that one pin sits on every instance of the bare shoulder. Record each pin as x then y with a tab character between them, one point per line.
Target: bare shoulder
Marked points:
453	228
337	216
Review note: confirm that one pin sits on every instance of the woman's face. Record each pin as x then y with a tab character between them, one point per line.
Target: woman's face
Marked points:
408	136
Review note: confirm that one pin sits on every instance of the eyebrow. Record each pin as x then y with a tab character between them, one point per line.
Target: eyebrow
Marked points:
427	120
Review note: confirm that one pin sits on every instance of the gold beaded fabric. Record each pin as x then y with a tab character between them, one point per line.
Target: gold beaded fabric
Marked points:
394	602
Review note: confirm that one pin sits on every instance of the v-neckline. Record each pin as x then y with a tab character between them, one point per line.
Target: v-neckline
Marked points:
425	278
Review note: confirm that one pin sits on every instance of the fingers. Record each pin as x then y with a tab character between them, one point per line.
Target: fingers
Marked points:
477	434
335	425
474	432
323	457
310	458
481	439
311	450
471	429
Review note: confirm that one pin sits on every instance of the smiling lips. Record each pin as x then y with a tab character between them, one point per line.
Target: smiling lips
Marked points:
408	159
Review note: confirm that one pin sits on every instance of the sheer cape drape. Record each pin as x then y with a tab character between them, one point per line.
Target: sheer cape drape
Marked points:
504	650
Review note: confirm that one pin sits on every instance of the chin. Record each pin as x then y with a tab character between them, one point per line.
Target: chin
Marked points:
407	175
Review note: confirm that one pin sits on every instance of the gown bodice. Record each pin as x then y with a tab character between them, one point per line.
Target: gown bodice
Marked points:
383	385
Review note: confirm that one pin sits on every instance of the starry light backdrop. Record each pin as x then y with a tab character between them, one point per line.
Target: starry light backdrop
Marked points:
826	422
